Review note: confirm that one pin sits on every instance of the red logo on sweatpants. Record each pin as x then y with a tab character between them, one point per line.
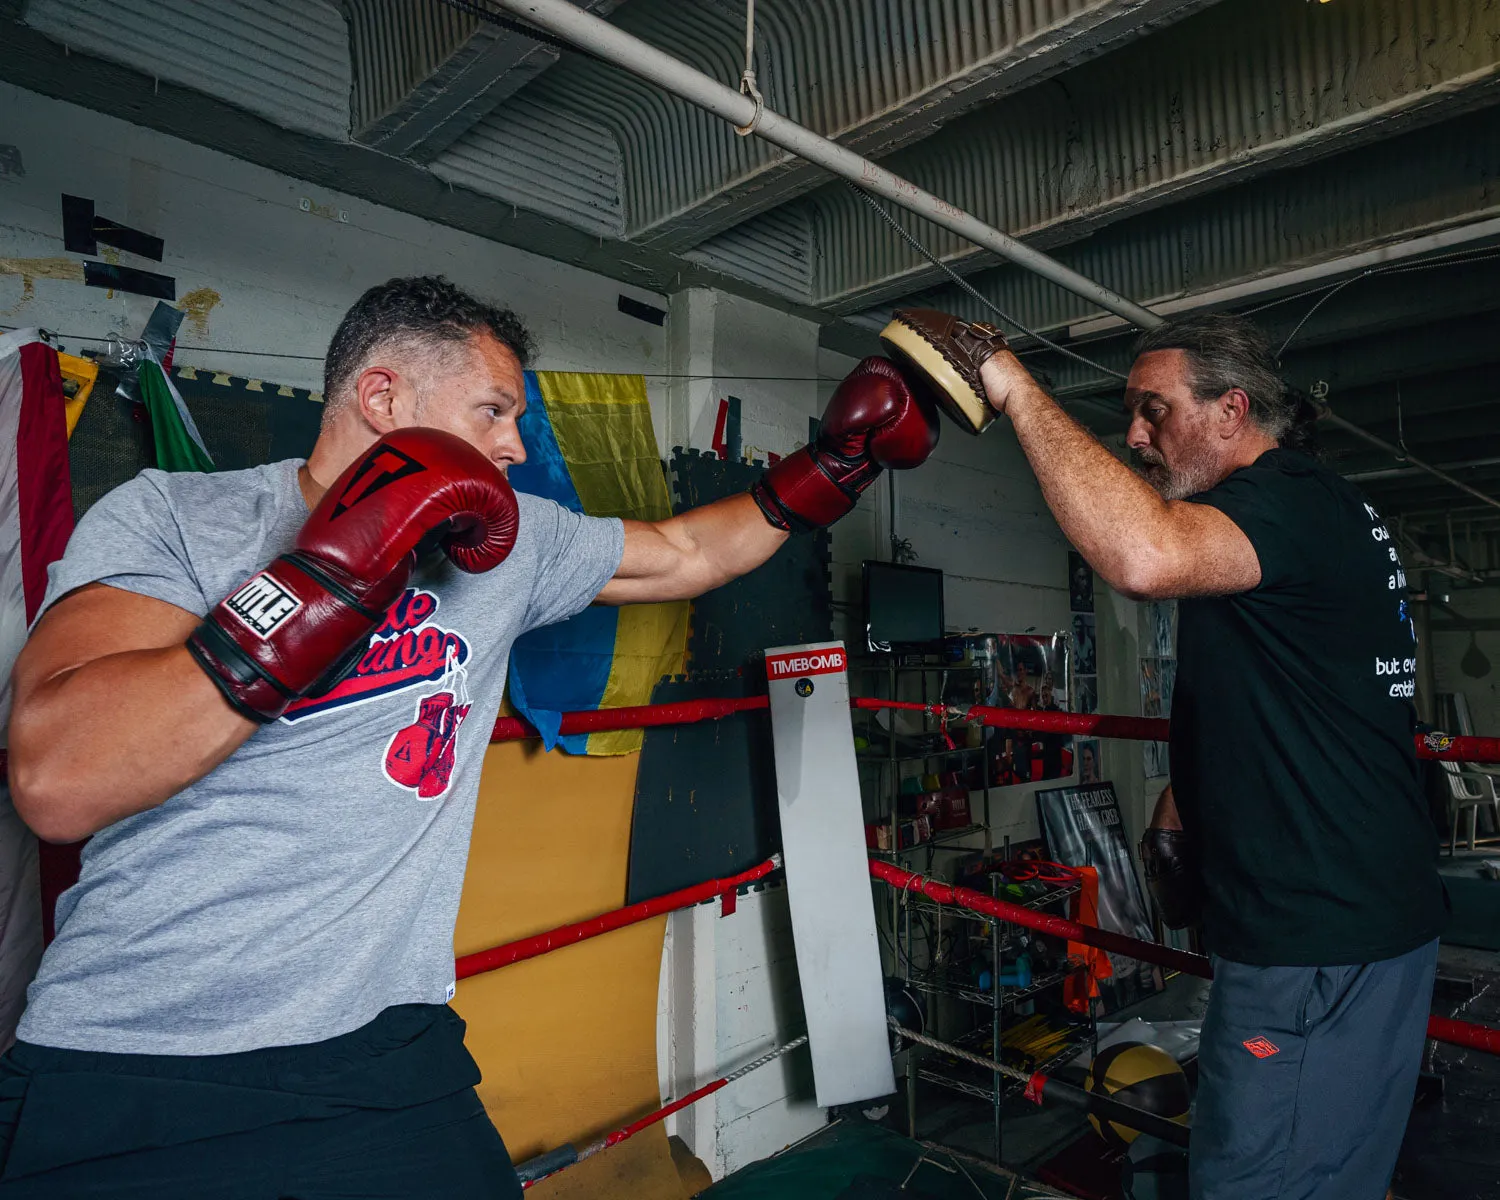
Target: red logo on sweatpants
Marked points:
1262	1047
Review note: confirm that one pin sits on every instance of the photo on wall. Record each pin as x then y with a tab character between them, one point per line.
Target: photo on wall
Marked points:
1086	693
1158	668
1151	689
1090	764
1080	584
1163	629
1024	671
1083	638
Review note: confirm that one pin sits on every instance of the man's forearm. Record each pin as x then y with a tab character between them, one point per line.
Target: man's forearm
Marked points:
114	737
734	537
692	553
1114	518
1165	815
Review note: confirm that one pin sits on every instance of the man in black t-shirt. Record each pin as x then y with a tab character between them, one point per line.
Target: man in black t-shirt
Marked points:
1293	761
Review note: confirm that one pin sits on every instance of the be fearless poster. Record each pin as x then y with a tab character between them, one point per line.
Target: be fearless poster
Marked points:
1082	828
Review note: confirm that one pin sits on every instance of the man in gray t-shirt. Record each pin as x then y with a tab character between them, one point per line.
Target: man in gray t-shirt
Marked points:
249	980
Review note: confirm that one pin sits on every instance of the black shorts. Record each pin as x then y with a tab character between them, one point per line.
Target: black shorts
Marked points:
388	1110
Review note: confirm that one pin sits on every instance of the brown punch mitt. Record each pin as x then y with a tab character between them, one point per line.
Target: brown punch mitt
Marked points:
941	355
1174	874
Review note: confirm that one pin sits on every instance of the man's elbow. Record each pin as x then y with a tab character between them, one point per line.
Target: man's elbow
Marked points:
1144	575
42	804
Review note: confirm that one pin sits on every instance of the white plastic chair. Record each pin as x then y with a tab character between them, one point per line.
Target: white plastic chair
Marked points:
1470	790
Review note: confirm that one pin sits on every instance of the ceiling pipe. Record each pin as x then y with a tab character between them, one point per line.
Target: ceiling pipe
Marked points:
1404	472
599	38
1328	416
603	40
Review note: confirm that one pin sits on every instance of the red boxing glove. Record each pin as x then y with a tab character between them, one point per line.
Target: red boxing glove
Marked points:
408	756
873	420
440	762
300	625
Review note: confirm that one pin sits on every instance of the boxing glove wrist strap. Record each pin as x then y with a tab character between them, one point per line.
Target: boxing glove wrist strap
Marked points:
245	663
251	692
811	489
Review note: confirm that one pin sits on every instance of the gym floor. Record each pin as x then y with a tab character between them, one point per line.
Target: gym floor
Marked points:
1452	1148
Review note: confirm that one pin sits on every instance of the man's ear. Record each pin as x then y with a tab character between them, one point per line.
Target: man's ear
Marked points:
375	391
1234	411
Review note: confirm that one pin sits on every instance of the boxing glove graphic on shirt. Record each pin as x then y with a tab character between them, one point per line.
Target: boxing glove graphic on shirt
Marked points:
413	748
421	757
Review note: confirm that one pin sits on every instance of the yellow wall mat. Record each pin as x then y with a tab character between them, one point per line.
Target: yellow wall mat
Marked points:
567	1041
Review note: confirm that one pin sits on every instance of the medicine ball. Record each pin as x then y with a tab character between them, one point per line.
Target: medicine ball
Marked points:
1142	1076
904	1004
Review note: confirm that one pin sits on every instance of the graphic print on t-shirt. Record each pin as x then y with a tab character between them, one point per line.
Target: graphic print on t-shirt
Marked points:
420	757
409	649
1397	674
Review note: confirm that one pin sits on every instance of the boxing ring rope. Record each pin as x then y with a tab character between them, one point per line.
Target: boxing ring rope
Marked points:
1439	1029
534	1170
1073	931
1135	729
633	914
1039	1086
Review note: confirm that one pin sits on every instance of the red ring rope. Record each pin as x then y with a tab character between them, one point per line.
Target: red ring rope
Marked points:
1440	1029
1073	931
1135	729
567	935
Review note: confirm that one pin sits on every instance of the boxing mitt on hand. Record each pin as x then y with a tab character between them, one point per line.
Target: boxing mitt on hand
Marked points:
941	356
1174	875
301	624
872	421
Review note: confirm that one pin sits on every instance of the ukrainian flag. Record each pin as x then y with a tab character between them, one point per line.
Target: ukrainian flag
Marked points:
590	447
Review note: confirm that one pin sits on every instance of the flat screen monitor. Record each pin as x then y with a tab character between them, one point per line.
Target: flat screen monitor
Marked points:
903	605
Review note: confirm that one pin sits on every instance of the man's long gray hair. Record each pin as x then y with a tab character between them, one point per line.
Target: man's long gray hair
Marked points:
1225	351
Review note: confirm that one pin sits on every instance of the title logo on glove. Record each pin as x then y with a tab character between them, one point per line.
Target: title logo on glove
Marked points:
263	604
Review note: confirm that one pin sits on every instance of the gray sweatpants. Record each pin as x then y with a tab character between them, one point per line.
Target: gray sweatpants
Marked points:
1306	1077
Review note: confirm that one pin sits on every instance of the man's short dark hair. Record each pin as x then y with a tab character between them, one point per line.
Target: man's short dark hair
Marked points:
1226	351
418	309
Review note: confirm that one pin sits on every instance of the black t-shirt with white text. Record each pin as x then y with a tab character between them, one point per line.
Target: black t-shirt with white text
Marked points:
1292	726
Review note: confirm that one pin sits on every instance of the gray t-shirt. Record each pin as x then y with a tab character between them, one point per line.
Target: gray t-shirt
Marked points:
312	878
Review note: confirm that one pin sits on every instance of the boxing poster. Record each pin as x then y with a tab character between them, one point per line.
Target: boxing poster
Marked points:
1083	692
1158	677
1082	828
1018	670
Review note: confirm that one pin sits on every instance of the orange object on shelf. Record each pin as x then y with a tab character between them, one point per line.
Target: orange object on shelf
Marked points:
1082	987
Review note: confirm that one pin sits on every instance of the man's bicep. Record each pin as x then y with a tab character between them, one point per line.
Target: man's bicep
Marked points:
92	622
578	555
648	554
1212	555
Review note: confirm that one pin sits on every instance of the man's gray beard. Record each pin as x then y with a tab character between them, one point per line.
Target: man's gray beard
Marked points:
1197	474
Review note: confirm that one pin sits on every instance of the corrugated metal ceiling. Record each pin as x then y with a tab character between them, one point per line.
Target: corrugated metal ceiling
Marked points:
1421	182
1202	100
285	60
1206	96
543	159
835	66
